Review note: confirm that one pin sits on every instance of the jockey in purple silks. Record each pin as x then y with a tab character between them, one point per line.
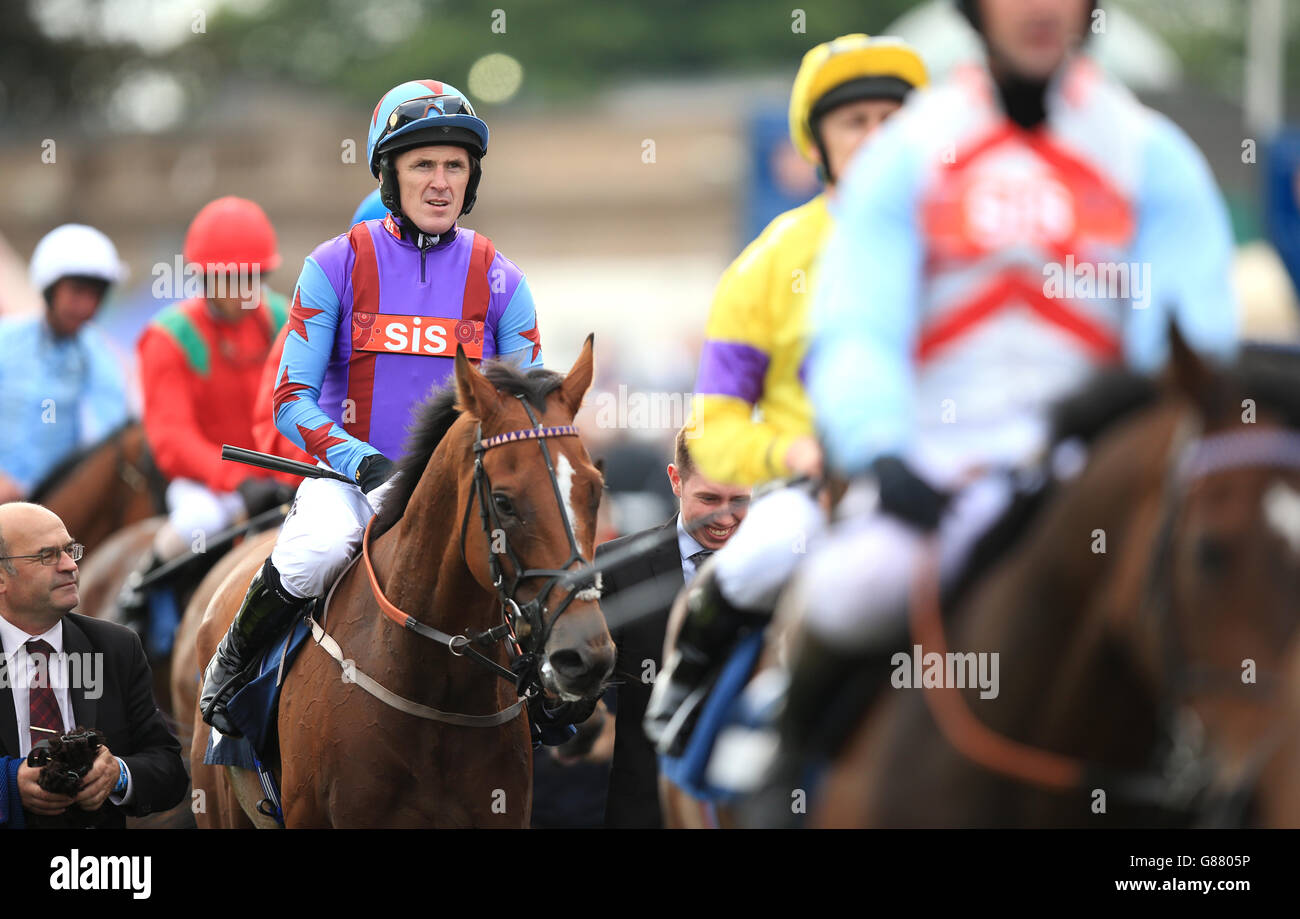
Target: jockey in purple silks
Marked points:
376	319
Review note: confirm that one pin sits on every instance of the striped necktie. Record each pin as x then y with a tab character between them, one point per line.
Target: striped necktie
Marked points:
42	706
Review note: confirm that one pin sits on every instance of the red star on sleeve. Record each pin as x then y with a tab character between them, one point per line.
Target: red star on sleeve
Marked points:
299	314
318	440
535	337
285	392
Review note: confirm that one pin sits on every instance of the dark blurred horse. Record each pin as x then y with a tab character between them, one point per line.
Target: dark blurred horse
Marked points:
1147	680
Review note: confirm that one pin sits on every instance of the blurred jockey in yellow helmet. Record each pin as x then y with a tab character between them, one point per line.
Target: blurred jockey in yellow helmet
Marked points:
752	357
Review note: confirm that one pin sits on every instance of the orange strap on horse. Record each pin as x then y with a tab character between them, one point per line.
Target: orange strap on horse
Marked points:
958	724
459	645
391	611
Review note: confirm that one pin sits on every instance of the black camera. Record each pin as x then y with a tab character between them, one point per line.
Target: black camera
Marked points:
65	760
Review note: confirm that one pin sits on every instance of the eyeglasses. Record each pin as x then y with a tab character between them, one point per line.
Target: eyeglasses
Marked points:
415	109
50	555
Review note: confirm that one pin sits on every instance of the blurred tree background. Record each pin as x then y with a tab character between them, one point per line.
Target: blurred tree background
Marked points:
82	55
157	106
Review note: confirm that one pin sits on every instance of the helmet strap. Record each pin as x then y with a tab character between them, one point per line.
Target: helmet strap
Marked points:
824	167
471	190
389	192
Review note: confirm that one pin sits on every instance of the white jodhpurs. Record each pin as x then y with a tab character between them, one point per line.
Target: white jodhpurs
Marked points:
860	576
777	534
193	509
322	533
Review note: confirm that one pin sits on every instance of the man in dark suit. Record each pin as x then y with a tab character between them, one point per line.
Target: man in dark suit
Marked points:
650	582
61	670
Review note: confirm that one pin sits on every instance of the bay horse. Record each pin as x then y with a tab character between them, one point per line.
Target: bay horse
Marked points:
480	521
105	487
1146	624
218	807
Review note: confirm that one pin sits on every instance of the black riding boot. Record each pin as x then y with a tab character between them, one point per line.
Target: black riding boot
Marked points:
266	611
830	691
708	632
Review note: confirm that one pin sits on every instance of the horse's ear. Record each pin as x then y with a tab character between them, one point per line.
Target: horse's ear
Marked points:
1190	375
474	394
578	380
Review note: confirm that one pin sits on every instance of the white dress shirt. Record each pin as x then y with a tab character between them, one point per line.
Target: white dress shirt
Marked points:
21	669
687	546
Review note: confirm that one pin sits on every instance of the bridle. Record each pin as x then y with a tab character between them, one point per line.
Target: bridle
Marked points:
526	624
1181	781
524	628
1194	458
137	479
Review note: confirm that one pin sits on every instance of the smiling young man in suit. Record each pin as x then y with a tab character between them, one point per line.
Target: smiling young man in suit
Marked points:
60	671
651	581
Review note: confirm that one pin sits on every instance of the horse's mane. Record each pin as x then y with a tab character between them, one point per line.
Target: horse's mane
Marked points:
74	459
1105	398
434	418
1268	373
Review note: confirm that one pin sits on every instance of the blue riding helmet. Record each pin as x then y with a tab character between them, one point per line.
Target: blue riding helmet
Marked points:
370	208
418	113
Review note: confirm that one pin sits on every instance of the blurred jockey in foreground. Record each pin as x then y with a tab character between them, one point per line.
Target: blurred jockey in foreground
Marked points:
61	388
200	366
753	358
953	310
376	318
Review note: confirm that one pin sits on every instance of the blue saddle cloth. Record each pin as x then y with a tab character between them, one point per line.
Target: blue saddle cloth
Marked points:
720	709
254	708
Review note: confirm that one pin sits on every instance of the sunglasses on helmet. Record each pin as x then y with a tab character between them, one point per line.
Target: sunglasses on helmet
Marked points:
416	109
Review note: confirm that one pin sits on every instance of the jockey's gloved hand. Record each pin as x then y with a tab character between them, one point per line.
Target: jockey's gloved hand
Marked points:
906	495
260	494
373	471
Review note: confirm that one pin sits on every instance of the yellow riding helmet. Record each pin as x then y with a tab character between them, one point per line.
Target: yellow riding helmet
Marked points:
850	67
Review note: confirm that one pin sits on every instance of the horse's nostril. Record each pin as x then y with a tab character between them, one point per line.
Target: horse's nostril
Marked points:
569	663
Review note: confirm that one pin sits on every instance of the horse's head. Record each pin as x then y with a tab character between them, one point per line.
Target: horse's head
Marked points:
531	503
1220	612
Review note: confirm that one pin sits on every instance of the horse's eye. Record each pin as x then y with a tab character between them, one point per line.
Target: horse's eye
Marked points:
504	505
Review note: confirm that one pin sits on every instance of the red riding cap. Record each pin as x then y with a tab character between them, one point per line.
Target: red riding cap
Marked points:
232	230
